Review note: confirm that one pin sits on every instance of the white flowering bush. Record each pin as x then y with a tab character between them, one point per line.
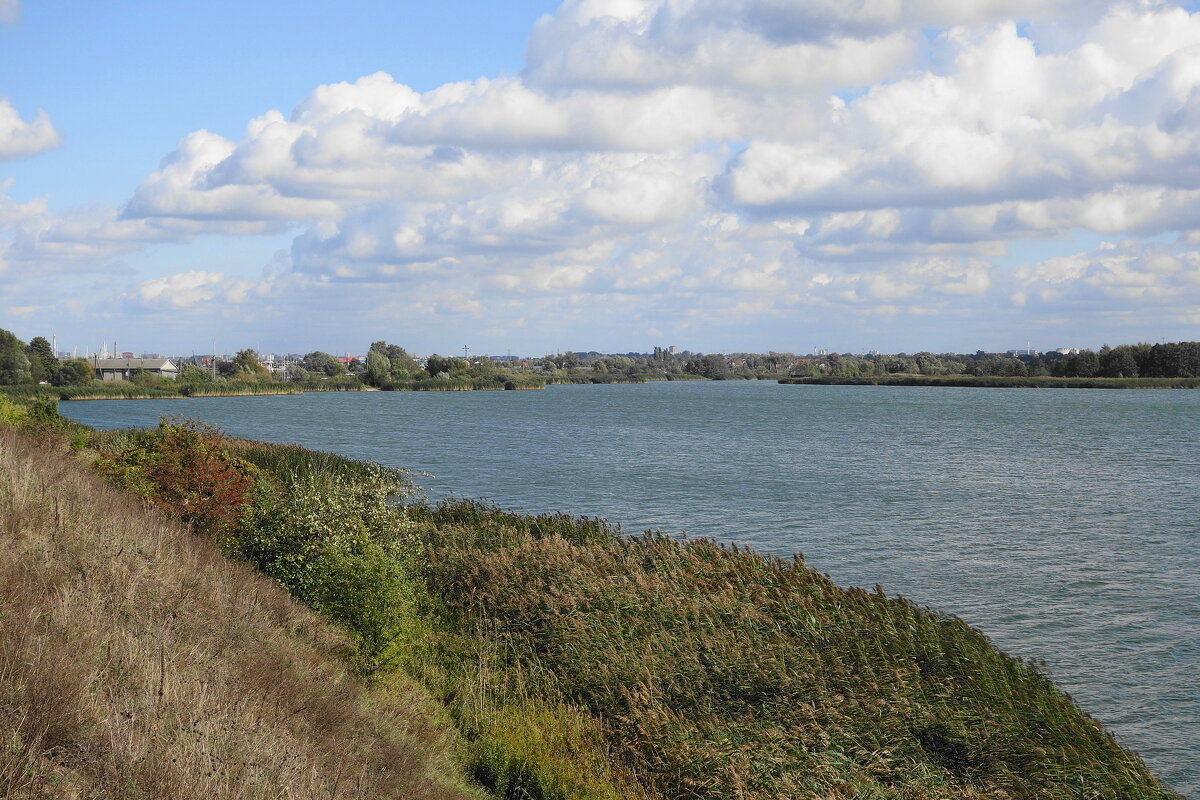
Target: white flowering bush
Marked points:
334	541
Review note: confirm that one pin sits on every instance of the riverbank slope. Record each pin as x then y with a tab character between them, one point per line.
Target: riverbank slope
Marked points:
138	661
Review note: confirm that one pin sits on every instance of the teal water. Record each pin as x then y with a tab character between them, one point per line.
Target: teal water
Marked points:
1063	523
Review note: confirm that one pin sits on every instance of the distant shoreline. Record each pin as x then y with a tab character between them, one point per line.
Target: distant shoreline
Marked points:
80	393
992	381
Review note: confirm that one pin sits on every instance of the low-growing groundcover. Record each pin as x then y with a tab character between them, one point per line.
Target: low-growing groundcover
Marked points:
578	663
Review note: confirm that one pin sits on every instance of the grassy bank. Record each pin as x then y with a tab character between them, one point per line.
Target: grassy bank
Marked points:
578	663
1003	382
138	661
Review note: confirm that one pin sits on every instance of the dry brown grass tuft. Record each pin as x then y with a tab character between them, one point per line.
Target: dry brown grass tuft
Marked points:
137	661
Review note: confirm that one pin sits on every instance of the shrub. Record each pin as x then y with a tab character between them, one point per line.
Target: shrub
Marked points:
182	467
333	540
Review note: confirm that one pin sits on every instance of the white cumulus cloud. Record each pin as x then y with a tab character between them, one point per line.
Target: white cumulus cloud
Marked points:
196	287
20	138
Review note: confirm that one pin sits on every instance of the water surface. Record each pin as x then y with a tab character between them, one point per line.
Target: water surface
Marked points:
1064	523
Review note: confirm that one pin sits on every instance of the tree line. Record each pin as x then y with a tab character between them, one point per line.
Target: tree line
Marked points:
390	365
1165	360
36	362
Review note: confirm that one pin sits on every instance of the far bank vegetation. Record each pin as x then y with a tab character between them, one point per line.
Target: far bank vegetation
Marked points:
32	370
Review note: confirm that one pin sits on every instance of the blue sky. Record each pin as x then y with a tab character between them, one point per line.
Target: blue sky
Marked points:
603	174
125	80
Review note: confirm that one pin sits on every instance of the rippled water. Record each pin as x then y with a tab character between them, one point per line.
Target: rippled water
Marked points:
1063	523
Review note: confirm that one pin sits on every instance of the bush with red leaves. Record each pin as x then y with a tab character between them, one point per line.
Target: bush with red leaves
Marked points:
182	467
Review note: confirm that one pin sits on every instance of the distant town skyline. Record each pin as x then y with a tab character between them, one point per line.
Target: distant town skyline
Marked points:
622	174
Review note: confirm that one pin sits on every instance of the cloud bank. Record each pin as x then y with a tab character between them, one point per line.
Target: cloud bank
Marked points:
699	164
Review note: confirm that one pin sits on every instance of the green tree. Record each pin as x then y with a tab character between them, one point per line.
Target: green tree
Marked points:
928	363
713	366
435	365
246	364
1118	362
388	351
379	368
42	361
403	365
75	372
321	362
14	364
1086	364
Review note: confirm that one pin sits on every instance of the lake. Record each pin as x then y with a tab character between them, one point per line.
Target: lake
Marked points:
1064	523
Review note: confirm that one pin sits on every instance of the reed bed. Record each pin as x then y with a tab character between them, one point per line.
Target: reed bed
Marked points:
239	389
466	384
123	391
716	672
348	384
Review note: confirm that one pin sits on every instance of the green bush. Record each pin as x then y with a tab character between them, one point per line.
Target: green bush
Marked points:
336	543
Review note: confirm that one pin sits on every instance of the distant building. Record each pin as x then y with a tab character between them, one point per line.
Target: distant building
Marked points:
1067	351
122	369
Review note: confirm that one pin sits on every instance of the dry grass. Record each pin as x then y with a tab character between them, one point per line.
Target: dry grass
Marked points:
136	661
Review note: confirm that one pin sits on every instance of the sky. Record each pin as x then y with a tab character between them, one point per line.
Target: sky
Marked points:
531	177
